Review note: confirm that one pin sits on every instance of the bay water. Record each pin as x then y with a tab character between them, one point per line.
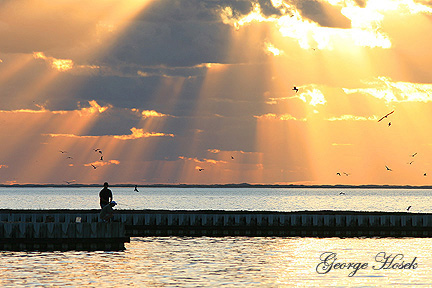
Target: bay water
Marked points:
226	261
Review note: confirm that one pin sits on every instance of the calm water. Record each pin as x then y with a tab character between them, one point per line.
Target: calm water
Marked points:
227	261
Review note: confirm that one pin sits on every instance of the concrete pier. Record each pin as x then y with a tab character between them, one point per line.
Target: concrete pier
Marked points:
50	230
139	223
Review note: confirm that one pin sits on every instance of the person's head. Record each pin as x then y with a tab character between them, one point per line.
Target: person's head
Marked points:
106	184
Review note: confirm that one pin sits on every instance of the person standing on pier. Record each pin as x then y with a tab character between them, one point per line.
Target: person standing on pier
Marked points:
105	195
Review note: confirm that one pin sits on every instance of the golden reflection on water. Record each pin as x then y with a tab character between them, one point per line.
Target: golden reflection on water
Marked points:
216	262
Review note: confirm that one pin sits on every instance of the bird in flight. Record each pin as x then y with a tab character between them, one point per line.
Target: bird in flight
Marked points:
424	174
61	151
414	154
338	174
232	157
385	116
346	174
101	158
69	157
410	162
96	150
136	188
388	169
93	166
200	169
69	182
409	207
295	89
389	124
341	193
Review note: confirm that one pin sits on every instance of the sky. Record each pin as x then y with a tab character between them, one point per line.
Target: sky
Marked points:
202	92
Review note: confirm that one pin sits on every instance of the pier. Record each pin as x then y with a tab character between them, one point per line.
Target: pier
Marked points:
83	230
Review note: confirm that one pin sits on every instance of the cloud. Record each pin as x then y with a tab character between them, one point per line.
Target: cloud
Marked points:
203	161
152	113
352	118
61	65
386	89
102	163
139	133
271	49
323	13
282	117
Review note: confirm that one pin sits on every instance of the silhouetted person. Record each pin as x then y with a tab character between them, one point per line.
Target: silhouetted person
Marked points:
105	195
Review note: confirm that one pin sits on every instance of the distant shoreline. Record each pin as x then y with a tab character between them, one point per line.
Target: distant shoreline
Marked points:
241	185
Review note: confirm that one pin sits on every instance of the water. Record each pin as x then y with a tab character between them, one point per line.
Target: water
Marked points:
224	261
251	199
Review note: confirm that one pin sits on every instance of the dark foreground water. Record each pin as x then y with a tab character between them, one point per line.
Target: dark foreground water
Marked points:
226	261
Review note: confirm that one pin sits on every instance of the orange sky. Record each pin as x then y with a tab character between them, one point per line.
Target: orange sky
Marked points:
183	92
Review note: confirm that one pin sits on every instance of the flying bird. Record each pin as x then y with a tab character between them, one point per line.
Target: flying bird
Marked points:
136	188
338	174
101	158
93	166
389	124
200	169
424	174
96	150
341	193
346	174
414	154
388	169
295	89
69	182
408	208
69	157
410	162
61	151
232	157
385	116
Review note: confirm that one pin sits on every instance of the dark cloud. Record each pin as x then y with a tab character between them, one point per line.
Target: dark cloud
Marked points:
323	13
172	44
361	3
268	9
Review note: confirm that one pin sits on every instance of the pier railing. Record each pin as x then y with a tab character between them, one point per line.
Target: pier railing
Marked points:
233	223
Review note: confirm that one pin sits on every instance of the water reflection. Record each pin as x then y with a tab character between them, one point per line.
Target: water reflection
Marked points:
216	262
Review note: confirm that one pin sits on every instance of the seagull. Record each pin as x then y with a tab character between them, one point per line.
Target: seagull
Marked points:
389	124
388	169
295	89
341	193
61	151
96	150
69	182
385	116
408	208
101	158
93	166
232	157
136	188
69	157
346	174
200	169
338	174
410	162
414	154
424	174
